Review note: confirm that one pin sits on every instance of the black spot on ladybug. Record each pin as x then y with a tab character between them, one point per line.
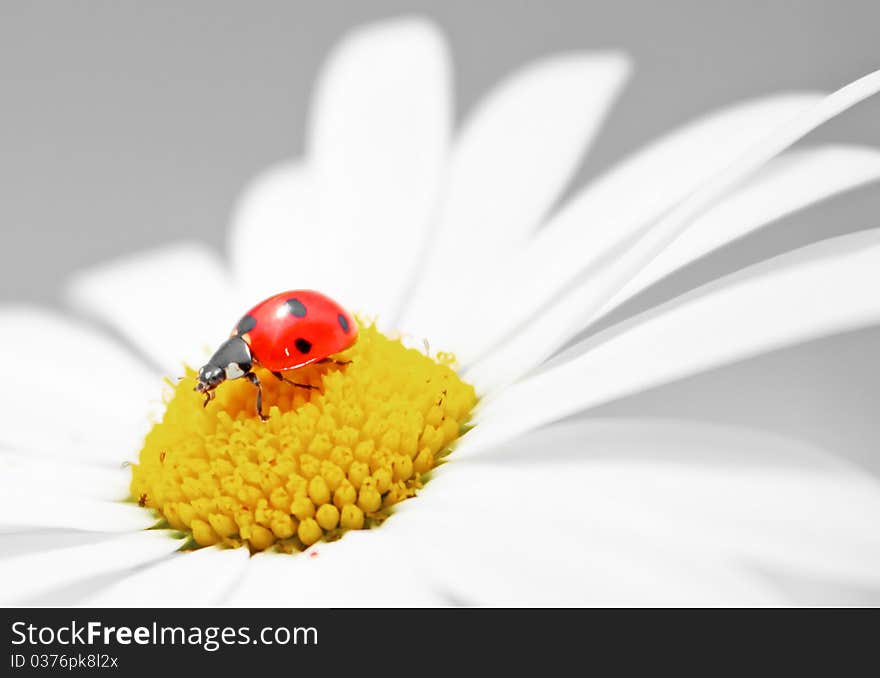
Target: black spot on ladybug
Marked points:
296	308
303	345
245	325
343	323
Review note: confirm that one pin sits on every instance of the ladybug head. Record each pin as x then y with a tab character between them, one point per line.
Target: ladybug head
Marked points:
210	377
232	360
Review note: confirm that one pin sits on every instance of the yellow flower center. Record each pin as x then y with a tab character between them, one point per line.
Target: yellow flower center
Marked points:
326	461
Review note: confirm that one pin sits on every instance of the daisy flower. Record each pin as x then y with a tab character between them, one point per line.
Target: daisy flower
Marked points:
457	238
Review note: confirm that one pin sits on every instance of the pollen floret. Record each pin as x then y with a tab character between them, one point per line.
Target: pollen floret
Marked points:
326	461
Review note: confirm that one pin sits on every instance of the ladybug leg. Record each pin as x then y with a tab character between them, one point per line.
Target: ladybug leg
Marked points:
251	377
209	396
281	377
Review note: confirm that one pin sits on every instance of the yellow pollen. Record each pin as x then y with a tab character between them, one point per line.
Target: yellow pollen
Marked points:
326	461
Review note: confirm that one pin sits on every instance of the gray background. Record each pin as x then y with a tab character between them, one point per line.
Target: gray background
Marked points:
124	125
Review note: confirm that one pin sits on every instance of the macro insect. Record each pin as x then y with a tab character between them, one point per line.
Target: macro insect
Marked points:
282	333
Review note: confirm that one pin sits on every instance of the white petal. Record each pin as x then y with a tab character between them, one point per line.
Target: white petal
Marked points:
74	392
39	574
273	234
509	165
609	212
507	566
37	475
378	140
822	289
35	540
174	303
29	507
364	569
816	591
788	183
646	512
188	579
576	309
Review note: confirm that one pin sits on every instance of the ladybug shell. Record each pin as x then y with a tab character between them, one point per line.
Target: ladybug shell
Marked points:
295	328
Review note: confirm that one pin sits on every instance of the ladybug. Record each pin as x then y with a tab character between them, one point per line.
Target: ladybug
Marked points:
284	332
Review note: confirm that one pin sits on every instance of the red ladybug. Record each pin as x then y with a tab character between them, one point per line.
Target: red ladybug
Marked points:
284	332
